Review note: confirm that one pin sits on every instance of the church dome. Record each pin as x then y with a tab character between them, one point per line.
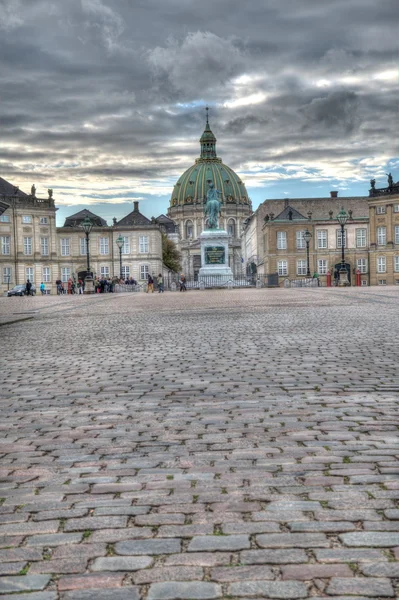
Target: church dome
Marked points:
192	186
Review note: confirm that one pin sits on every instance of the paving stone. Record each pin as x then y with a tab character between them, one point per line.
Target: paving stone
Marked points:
23	583
269	589
121	563
34	596
200	559
227	574
219	543
63	565
369	538
350	555
292	540
174	590
91	523
323	526
57	539
12	568
126	593
156	546
273	557
370	587
160	574
388	569
89	581
308	572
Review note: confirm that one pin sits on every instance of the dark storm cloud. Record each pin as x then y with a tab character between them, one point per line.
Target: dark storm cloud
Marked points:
94	90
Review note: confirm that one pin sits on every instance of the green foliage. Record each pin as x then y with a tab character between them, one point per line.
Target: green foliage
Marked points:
170	255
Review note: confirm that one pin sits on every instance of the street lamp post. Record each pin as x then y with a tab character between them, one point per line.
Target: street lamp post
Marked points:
120	243
87	226
342	218
189	241
307	237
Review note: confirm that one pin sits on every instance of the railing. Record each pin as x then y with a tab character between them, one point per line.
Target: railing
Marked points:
305	282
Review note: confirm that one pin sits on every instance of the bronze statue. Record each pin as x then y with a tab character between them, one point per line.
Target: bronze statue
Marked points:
390	180
33	191
213	206
50	193
372	183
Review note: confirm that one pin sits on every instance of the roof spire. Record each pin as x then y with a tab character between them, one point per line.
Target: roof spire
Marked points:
208	140
207	116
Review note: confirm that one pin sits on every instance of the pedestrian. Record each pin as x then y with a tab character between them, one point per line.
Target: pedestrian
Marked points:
316	276
28	287
42	288
80	286
150	284
69	286
182	282
160	284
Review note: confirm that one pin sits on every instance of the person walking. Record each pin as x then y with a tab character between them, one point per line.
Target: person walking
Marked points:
160	284
182	282
150	284
28	286
42	288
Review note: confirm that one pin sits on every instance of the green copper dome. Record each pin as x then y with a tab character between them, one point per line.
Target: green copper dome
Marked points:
192	186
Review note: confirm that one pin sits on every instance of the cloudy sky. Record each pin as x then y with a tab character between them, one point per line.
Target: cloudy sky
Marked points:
103	100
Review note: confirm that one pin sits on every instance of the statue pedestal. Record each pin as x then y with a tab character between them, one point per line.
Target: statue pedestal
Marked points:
343	278
89	285
215	268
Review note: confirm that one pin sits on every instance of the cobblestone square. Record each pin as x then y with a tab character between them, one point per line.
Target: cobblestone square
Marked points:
202	445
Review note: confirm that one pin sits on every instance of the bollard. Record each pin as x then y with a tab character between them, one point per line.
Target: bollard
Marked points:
258	284
201	285
229	285
173	287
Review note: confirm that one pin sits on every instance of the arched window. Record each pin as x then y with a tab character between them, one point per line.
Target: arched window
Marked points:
189	229
231	227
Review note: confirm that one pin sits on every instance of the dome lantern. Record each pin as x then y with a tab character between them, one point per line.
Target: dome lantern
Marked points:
208	141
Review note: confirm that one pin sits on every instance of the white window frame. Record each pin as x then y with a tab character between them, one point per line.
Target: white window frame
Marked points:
189	229
382	282
104	272
65	274
381	236
65	246
43	220
380	210
4	218
300	240
83	246
282	268
322	266
30	274
281	240
361	265
104	246
396	208
7	275
126	245
381	264
144	244
396	263
6	245
46	274
125	271
396	234
361	237
144	271
44	246
322	238
28	246
301	267
26	219
339	238
231	227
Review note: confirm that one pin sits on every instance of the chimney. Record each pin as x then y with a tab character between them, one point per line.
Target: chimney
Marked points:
136	206
334	194
286	202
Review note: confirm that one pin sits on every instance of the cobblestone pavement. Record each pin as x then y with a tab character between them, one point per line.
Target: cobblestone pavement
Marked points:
236	444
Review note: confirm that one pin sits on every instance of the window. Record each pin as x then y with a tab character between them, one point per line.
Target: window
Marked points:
231	227
381	264
396	208
396	264
322	238
46	274
43	221
144	270
143	244
125	272
104	245
6	244
83	246
339	238
189	232
104	271
364	282
361	238
361	264
396	234
300	240
126	245
44	246
281	240
26	219
29	274
381	236
4	218
301	267
322	266
65	247
65	274
7	275
382	282
27	245
380	210
282	267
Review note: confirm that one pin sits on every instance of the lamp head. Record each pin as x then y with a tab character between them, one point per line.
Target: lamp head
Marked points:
87	225
342	217
307	236
120	242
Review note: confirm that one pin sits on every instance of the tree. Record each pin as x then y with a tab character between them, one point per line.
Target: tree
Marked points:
170	255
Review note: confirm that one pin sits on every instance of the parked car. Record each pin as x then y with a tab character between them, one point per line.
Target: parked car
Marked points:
20	290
